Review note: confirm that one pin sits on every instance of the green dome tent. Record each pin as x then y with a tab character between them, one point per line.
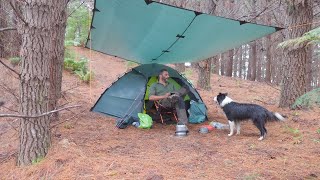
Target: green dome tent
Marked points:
126	96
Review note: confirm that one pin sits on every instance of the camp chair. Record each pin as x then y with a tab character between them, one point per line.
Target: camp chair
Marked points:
161	110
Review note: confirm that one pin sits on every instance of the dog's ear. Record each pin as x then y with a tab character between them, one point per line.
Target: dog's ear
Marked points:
226	94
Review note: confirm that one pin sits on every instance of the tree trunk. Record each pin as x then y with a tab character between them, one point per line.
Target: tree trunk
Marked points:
241	62
229	63
204	67
236	63
253	61
216	65
204	74
3	35
10	41
294	68
260	59
38	47
309	69
249	70
180	67
56	67
268	59
222	64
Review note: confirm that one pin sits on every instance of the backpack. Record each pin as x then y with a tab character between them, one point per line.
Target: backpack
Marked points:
197	112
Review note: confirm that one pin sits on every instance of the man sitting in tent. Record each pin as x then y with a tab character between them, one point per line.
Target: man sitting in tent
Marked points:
165	92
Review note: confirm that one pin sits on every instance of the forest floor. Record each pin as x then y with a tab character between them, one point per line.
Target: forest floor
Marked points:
87	145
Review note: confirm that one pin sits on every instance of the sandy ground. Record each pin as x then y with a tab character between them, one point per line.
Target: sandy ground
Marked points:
87	145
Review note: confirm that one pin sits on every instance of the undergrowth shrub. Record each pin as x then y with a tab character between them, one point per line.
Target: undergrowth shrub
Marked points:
15	60
80	67
308	100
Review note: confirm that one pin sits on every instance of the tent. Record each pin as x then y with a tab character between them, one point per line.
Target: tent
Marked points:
127	95
148	32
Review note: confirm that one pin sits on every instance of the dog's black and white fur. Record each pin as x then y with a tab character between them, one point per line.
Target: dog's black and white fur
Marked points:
237	112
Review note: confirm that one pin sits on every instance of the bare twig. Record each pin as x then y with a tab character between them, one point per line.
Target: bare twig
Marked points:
12	154
10	91
75	9
9	109
7	29
9	68
69	89
37	116
13	126
68	119
272	86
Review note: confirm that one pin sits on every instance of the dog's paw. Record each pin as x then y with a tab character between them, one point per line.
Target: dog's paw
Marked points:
261	138
230	134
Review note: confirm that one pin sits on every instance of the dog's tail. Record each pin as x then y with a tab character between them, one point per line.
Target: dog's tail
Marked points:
276	116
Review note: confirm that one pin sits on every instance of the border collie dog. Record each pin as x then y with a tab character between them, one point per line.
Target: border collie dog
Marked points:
237	112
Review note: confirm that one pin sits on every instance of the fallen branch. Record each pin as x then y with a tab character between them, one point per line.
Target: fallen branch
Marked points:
9	68
7	29
37	116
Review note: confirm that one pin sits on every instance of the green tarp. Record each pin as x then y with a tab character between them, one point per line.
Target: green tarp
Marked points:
147	32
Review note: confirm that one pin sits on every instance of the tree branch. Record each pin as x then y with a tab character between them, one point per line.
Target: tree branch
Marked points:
76	115
75	9
7	29
17	13
37	116
9	68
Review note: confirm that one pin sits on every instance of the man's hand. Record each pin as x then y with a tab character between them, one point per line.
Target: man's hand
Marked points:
156	98
166	95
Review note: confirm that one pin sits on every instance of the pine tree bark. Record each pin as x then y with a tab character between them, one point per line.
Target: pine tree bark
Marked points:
222	64
309	68
294	68
204	67
260	55
241	66
236	63
56	67
268	59
204	74
3	35
253	61
229	63
216	65
39	26
249	70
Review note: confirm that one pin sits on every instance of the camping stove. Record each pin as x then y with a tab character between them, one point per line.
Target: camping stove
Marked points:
181	130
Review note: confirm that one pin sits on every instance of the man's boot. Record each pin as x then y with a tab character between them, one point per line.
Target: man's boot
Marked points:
182	116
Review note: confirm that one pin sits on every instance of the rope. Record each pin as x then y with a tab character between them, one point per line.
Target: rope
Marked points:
90	59
127	115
